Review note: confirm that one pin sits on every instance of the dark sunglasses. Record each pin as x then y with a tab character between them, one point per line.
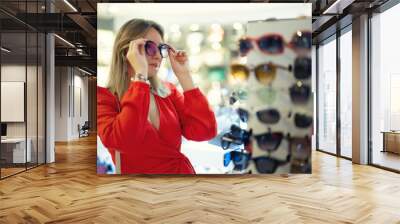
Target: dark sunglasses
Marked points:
302	68
300	150
265	73
243	114
268	116
275	43
300	93
272	116
302	120
240	159
266	164
263	164
152	48
227	159
268	44
236	136
269	141
301	40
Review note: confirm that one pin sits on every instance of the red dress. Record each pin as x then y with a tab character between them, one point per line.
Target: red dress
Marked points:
124	126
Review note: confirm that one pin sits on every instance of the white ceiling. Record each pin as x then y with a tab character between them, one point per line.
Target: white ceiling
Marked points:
202	13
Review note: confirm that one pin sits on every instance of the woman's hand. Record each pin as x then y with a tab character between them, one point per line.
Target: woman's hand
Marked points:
180	66
136	56
179	62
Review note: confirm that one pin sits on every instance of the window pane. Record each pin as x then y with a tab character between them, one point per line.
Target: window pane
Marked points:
31	100
346	94
327	97
14	153
385	89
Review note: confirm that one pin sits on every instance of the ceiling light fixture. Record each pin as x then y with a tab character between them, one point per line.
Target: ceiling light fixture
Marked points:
337	7
70	5
64	40
84	71
5	50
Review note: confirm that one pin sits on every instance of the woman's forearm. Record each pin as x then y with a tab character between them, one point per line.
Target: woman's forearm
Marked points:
186	82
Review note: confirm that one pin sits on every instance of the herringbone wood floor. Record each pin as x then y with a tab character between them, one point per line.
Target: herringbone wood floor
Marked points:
69	191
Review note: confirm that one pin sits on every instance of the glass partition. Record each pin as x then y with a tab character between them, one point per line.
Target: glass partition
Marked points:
327	96
14	152
22	64
346	93
385	89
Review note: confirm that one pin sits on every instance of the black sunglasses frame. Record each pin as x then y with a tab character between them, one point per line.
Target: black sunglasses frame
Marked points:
160	47
300	93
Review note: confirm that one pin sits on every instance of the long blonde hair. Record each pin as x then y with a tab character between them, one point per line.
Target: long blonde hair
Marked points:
118	81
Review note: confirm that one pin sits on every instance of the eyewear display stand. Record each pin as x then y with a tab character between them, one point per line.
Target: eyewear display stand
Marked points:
284	155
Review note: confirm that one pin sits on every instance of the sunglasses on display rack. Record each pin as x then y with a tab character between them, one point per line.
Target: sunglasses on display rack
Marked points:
268	116
240	159
272	116
275	43
265	73
302	68
263	164
236	136
269	141
300	93
302	120
300	150
243	114
301	40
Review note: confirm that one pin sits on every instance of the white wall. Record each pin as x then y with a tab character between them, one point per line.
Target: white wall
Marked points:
34	125
70	83
61	103
12	73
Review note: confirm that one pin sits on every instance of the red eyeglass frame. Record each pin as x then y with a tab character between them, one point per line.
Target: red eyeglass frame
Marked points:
257	39
285	43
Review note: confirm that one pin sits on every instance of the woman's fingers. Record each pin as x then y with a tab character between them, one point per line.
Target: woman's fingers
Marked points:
180	53
172	54
177	56
181	56
136	55
138	45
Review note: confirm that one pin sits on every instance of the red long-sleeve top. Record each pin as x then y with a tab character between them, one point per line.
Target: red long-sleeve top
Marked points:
123	126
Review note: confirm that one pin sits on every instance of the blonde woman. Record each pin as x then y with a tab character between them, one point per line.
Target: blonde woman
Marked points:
141	119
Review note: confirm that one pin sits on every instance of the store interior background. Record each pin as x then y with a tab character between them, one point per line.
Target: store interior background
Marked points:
212	45
340	190
25	48
333	77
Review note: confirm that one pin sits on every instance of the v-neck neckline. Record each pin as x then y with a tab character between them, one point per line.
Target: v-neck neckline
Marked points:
157	106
